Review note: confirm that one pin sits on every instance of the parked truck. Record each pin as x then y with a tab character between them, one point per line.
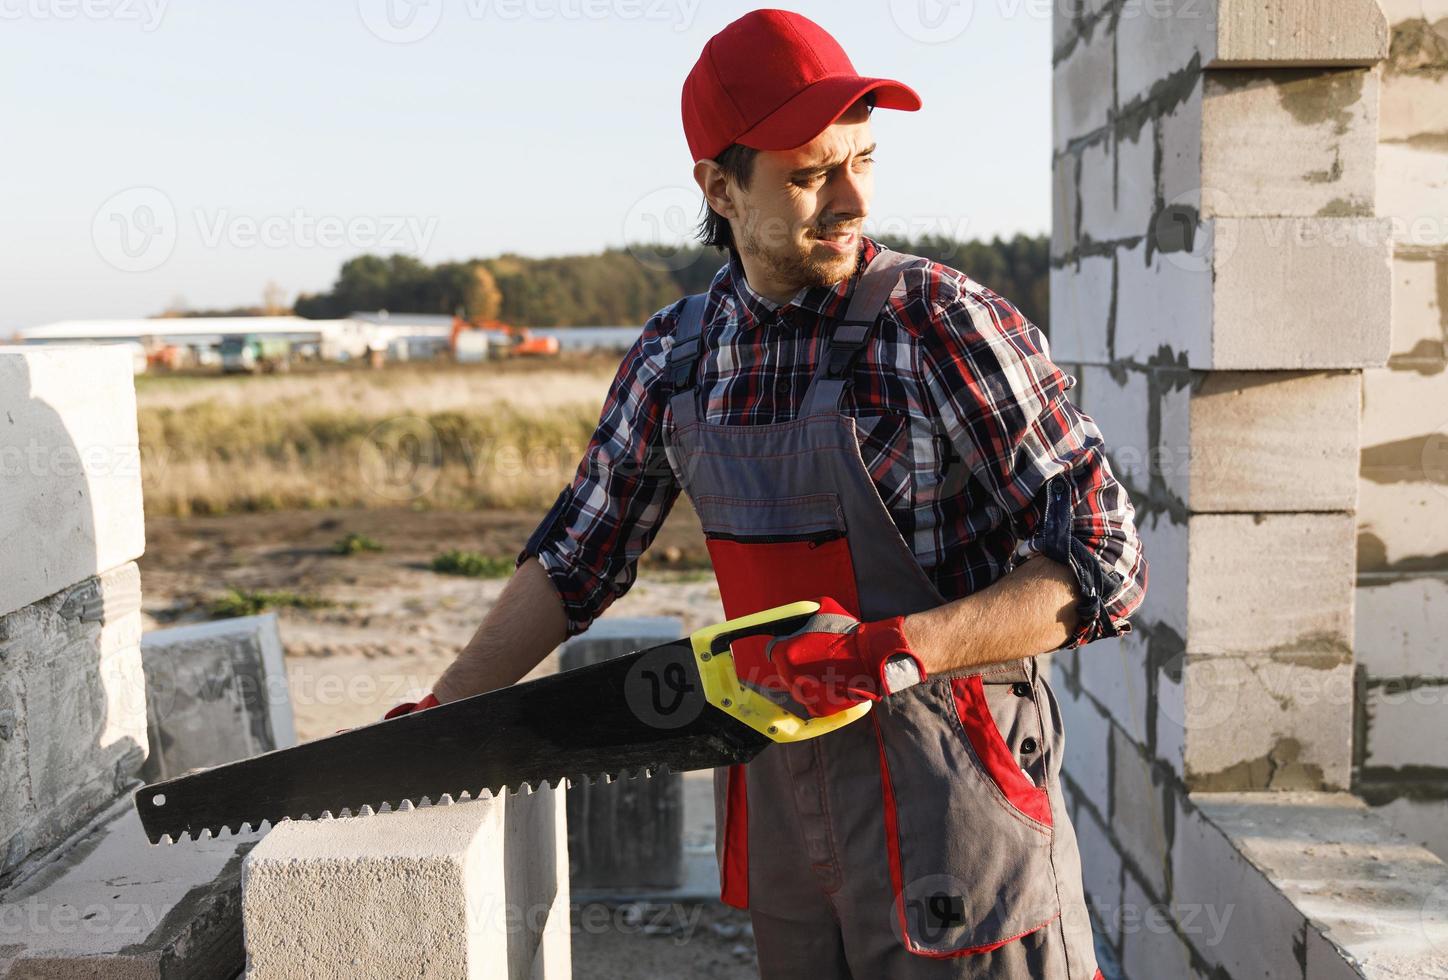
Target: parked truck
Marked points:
252	353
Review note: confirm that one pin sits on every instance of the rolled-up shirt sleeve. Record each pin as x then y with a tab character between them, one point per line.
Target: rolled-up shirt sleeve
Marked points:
1004	407
591	539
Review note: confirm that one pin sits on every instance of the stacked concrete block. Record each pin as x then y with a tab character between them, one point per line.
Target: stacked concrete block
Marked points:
72	700
1221	277
81	892
1402	585
476	889
216	692
112	905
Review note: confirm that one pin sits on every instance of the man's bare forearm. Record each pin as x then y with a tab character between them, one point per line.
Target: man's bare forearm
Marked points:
522	628
1028	612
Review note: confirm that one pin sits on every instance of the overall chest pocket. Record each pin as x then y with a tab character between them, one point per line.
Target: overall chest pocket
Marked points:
768	551
967	816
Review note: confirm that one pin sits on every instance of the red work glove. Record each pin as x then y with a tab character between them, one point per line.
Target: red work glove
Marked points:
408	707
834	661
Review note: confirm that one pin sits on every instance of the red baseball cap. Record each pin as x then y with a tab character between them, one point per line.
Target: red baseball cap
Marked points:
774	80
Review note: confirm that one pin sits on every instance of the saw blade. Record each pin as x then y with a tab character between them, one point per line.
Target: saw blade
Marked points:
642	712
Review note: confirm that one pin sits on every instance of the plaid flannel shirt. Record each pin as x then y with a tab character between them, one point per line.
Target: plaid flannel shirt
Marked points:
963	422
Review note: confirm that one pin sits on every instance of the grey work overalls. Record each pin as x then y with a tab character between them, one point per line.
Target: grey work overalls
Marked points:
929	839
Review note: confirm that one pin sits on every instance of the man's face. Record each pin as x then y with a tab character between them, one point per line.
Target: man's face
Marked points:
798	223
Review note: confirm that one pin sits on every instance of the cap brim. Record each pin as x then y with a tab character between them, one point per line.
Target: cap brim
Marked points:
813	110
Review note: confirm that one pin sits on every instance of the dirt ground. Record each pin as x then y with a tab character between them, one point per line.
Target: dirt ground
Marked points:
393	625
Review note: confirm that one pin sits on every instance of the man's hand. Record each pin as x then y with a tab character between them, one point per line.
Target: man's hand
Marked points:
834	661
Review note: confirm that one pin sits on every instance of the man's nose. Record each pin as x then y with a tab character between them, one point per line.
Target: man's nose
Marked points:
851	200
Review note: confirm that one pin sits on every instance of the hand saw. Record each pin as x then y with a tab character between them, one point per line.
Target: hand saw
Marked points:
677	707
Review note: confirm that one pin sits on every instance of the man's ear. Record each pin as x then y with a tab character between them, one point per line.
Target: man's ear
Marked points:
715	186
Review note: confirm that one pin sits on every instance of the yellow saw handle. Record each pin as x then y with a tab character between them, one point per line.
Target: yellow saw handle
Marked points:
724	691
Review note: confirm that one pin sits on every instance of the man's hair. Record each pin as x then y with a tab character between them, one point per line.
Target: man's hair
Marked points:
737	164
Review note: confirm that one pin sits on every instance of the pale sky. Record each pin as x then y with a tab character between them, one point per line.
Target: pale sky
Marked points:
201	148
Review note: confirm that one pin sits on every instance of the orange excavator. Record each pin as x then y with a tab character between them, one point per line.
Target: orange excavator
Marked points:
502	340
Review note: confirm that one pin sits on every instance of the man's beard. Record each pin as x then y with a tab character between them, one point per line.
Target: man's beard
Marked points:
794	262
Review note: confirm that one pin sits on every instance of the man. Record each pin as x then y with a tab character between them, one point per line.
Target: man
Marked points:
882	434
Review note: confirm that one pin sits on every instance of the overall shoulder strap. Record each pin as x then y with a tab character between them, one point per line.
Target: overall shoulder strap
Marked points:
683	356
851	334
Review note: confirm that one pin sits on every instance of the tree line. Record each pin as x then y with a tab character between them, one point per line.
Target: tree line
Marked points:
624	286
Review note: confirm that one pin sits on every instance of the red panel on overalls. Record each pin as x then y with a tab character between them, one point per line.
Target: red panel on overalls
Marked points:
790	512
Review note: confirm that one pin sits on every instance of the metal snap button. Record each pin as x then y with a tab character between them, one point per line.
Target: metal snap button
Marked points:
1021	689
1028	744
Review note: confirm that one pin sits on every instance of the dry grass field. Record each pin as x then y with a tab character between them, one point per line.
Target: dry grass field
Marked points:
424	436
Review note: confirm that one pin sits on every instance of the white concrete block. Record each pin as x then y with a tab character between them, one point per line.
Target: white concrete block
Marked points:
1299	32
1064	224
1253	926
72	710
321	899
1181	153
1326	858
70	476
216	692
1407	725
535	884
1081	95
1401	405
1157	39
1150	946
1118	187
1299	293
115	906
1114	672
1138	816
1420	310
1412	105
1399	11
1401	623
1100	871
1258	723
406	894
1165	544
1165	302
1278	584
1086	760
1413	190
1120	404
1290	142
1081	310
1402	523
1424	822
1270	441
